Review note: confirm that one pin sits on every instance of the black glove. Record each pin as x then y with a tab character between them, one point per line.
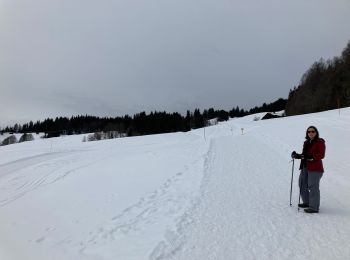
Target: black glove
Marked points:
295	155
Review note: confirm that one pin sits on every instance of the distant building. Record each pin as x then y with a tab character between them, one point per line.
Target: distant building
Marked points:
269	116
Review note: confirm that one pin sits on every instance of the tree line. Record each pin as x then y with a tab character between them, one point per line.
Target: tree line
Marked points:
140	123
324	86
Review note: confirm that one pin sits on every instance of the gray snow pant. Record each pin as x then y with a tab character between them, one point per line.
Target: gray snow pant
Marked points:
309	184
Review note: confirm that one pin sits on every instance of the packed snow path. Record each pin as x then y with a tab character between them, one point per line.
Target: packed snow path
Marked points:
244	211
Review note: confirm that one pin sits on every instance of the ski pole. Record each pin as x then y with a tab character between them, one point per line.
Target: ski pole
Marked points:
291	186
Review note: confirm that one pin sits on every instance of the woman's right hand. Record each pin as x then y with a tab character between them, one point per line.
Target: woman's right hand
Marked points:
296	155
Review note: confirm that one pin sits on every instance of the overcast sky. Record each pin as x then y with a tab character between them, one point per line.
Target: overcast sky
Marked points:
116	57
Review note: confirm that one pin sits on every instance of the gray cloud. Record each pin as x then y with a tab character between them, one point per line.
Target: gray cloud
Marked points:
108	58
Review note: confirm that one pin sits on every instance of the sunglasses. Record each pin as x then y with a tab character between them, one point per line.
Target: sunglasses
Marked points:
311	131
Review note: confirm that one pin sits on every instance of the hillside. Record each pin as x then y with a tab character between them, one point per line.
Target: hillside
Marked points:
324	86
211	193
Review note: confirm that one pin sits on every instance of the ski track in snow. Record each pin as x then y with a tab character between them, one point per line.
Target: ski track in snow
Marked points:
170	198
146	211
44	169
242	187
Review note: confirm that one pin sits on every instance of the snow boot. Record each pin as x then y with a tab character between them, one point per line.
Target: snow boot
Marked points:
303	205
310	210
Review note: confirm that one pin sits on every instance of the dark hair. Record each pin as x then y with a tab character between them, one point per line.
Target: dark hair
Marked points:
317	134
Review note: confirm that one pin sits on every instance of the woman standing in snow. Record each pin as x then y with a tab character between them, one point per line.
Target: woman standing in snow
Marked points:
311	170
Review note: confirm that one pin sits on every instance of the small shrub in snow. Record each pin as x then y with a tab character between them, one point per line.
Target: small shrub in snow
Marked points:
256	118
26	137
12	139
112	134
91	137
98	136
103	135
211	122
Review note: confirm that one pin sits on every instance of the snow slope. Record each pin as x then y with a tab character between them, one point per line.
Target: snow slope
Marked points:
210	193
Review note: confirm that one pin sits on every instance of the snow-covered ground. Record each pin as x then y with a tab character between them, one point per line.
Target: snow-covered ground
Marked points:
211	193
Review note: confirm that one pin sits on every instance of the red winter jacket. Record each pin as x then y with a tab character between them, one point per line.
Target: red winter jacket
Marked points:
314	151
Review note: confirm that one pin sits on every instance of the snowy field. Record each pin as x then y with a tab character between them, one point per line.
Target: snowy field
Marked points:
211	193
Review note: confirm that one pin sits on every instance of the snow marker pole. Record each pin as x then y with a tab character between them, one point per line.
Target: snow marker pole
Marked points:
291	186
